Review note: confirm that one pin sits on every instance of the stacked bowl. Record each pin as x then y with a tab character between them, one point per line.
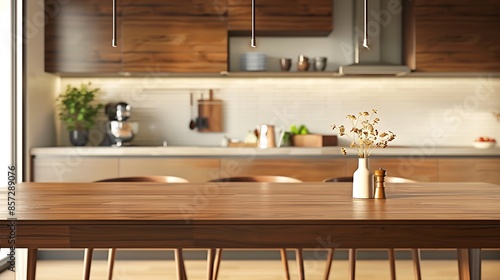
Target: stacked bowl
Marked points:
253	61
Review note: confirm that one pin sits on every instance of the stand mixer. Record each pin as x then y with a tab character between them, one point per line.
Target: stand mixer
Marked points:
119	131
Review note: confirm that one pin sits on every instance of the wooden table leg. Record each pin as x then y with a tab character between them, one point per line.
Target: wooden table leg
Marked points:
463	264
392	263
475	264
352	264
179	264
416	263
284	261
329	261
300	264
111	262
210	263
32	258
218	258
87	262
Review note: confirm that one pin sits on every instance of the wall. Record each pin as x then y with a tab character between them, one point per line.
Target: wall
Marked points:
421	111
40	87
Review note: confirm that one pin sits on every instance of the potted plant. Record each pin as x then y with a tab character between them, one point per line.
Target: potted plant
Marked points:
78	111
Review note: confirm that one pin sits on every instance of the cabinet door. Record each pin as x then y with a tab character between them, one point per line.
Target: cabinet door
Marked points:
457	36
281	17
195	170
305	169
174	36
415	168
469	170
74	168
78	37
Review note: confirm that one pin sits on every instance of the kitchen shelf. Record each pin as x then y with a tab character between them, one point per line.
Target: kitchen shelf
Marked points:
283	74
270	74
239	74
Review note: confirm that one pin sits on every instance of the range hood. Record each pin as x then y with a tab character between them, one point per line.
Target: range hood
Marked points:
378	43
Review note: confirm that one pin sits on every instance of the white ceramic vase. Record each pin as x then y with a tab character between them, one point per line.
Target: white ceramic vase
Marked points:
362	184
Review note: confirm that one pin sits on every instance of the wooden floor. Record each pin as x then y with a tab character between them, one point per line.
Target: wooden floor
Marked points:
246	270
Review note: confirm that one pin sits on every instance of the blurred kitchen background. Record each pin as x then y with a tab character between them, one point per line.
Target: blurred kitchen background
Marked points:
422	111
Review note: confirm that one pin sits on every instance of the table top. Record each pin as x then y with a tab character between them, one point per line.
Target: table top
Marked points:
222	214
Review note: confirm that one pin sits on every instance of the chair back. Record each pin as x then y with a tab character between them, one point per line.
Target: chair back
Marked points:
147	179
263	178
338	179
388	179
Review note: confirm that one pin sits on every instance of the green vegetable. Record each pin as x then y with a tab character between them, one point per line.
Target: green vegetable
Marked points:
302	130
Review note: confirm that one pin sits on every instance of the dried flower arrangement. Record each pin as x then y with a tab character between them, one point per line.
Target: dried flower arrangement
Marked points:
365	138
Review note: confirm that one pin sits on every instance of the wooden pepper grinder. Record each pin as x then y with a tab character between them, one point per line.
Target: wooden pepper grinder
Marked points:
379	183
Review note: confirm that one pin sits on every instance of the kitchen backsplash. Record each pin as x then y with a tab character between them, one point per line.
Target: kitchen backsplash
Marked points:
421	111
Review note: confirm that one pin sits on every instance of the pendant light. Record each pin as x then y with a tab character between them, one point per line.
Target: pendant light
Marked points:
365	24
113	41
252	41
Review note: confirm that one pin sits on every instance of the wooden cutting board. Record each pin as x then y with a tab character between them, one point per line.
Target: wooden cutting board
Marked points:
212	111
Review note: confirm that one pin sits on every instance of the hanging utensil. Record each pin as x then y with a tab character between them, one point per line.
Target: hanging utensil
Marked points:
192	122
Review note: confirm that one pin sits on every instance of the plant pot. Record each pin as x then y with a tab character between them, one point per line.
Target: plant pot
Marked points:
362	184
79	137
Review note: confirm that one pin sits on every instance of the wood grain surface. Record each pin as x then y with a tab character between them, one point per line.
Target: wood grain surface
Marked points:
253	215
281	17
456	36
78	37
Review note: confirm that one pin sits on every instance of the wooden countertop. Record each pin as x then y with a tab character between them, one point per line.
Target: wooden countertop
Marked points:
252	215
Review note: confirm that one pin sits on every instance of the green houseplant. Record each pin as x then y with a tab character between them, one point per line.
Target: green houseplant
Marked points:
78	111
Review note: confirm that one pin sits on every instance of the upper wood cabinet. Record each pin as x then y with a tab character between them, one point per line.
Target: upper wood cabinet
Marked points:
281	17
78	37
174	36
453	35
153	36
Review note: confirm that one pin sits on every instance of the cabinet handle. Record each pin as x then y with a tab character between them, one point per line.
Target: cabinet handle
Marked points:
252	41
365	24
113	41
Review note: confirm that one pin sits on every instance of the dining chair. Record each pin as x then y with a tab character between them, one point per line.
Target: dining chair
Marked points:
217	256
352	252
179	259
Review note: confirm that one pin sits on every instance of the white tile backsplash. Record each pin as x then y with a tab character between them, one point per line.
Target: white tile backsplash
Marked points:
421	111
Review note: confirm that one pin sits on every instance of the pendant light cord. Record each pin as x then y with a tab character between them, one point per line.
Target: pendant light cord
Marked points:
365	24
252	41
113	41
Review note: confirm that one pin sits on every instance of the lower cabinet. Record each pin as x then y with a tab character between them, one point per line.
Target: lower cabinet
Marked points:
469	170
74	168
418	169
305	169
195	170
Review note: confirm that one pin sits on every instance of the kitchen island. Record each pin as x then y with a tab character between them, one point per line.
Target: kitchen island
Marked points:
201	164
215	215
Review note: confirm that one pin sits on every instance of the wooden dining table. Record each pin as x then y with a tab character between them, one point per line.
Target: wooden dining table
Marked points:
252	215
